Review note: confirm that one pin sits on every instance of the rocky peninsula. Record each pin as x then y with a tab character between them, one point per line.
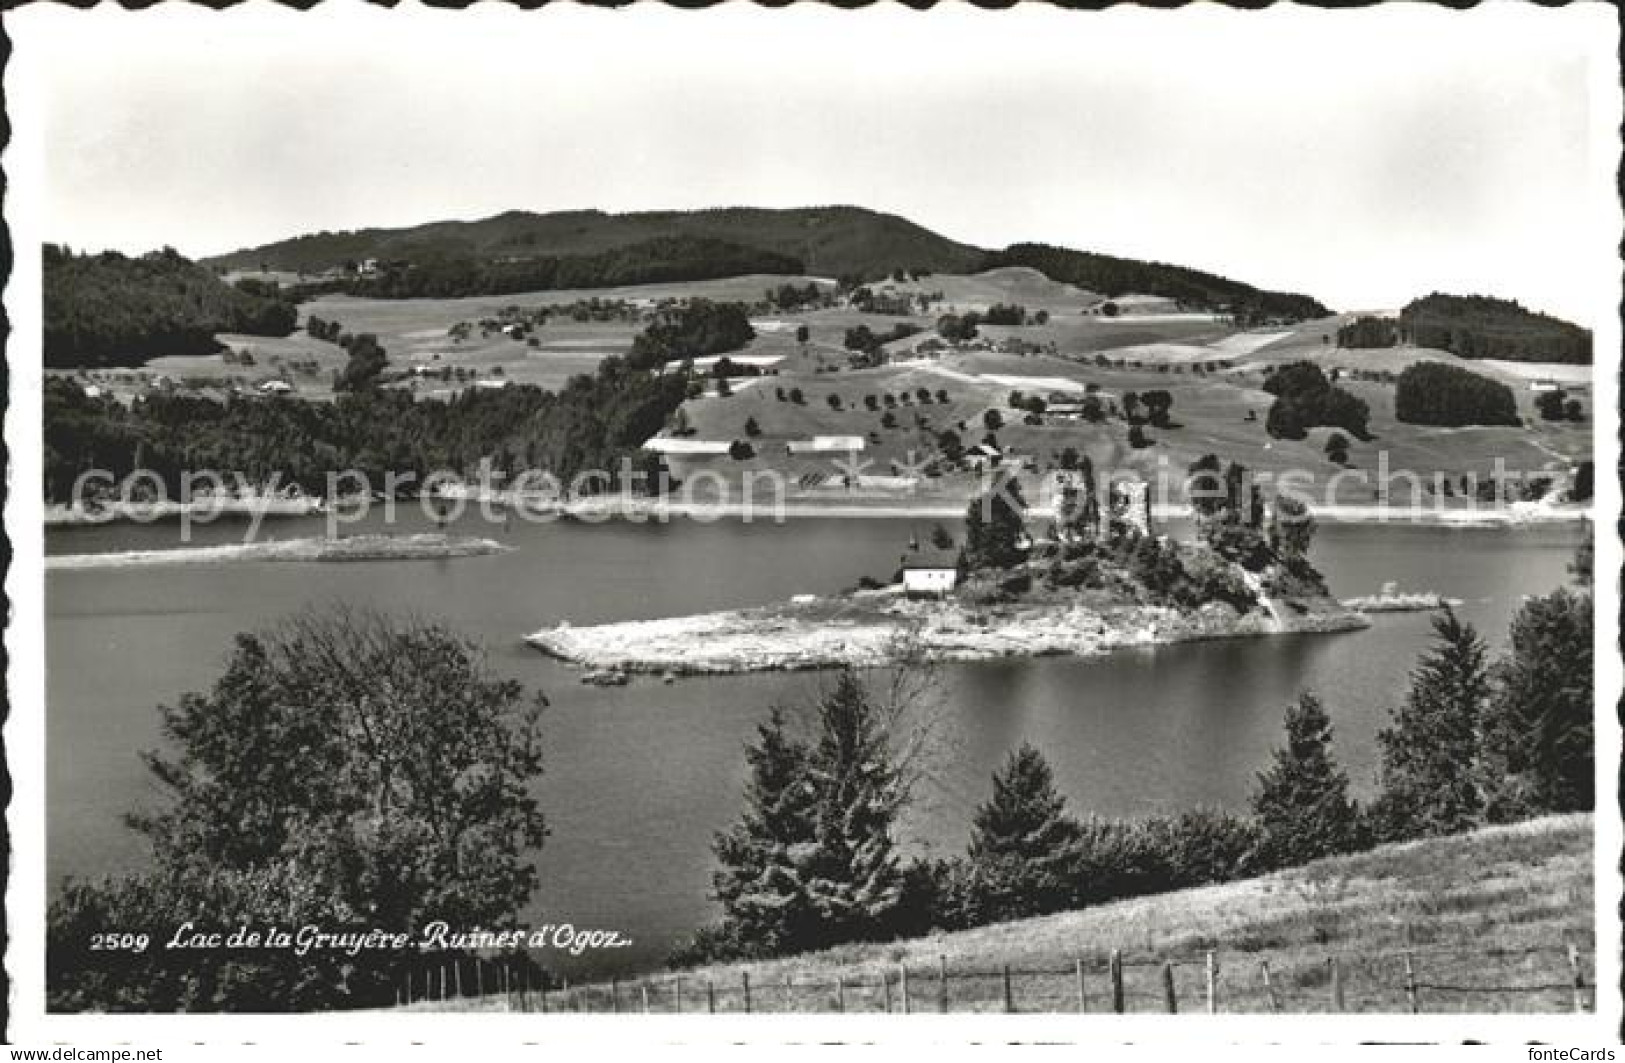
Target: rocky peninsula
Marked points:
422	547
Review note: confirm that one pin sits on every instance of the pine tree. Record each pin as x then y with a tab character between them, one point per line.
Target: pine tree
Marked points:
1537	742
1430	752
1302	801
1024	845
761	883
995	526
856	879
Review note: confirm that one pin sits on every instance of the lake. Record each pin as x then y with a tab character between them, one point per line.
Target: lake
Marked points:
640	777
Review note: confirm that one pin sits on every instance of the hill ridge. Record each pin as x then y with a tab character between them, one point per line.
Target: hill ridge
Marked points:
834	240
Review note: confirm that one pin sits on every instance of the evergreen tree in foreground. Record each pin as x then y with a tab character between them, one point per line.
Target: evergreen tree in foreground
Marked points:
1024	845
1302	802
761	883
812	862
1430	753
1538	746
857	880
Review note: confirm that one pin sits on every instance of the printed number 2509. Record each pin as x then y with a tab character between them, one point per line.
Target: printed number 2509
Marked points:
119	942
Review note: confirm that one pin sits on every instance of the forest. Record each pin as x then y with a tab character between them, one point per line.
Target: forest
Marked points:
1365	332
1117	276
594	422
665	259
107	309
1437	394
1478	326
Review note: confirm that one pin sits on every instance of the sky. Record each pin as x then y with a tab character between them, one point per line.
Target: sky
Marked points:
1365	157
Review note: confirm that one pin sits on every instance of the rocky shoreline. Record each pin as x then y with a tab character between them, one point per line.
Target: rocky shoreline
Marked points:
202	509
872	629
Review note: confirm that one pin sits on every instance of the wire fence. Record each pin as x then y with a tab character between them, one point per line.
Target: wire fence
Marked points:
1531	979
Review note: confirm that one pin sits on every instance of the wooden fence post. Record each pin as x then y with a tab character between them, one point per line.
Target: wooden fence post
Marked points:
644	989
710	997
1337	983
1077	966
789	995
615	993
442	981
1410	985
1009	998
543	996
479	977
942	983
677	993
1579	978
1212	984
1116	968
744	985
1269	987
457	975
902	984
1168	988
564	984
840	993
885	990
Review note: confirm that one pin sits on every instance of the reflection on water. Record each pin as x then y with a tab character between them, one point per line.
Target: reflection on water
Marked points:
640	777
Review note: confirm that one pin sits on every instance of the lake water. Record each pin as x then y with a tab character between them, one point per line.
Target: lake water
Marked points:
640	777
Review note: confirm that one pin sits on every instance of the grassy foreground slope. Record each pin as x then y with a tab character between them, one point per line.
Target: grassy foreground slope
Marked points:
1469	908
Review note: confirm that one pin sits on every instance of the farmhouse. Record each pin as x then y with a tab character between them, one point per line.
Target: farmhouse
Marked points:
930	573
826	445
276	387
984	456
1544	387
670	445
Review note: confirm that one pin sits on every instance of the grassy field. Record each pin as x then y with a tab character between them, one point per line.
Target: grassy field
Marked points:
1487	918
978	291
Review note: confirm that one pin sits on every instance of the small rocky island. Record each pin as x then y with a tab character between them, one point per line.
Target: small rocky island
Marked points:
1098	579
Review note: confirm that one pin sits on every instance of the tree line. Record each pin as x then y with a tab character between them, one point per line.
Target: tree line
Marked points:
107	309
661	260
1480	326
592	423
1118	276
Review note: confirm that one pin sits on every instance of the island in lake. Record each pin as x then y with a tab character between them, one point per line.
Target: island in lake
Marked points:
1099	579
